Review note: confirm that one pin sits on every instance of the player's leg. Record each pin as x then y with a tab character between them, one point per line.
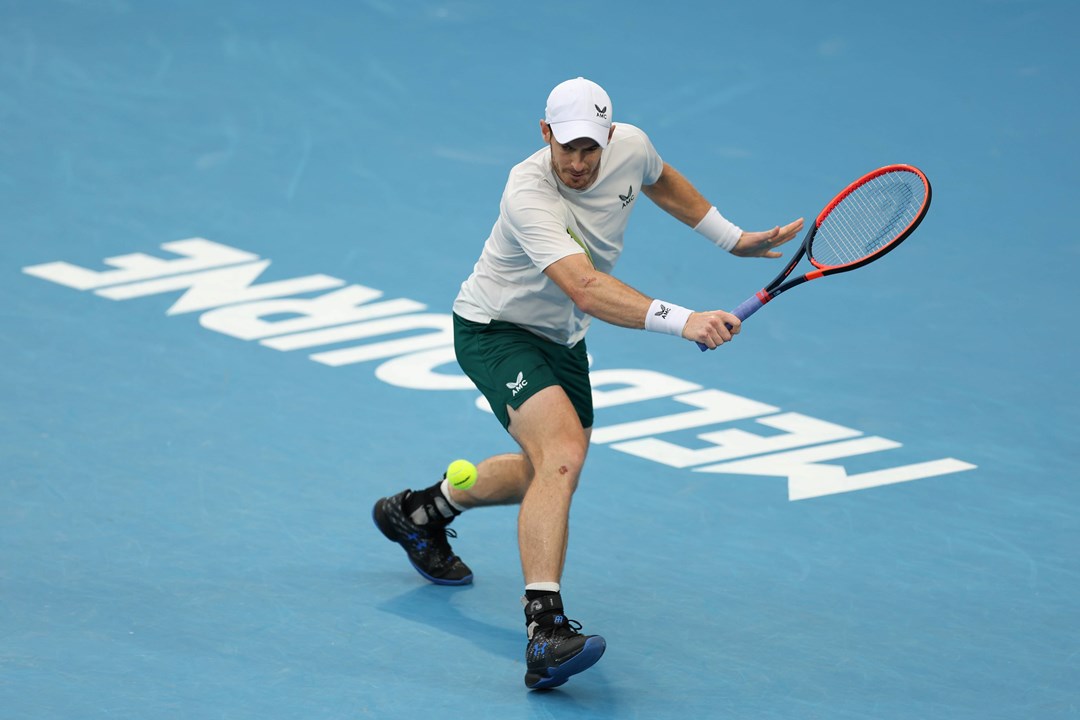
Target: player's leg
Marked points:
500	480
549	429
418	520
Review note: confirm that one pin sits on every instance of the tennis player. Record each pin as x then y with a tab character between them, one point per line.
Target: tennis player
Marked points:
519	333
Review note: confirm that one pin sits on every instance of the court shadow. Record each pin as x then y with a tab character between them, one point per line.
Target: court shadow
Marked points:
432	605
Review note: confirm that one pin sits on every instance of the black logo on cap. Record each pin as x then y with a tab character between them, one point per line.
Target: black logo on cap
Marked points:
601	112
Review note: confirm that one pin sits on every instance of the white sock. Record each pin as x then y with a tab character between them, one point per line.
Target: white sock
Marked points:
445	489
543	586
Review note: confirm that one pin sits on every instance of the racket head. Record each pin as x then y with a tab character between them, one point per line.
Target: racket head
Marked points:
870	217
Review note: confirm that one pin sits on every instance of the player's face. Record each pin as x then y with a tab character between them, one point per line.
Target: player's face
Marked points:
577	163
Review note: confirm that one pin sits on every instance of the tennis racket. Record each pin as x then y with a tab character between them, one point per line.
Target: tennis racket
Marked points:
870	217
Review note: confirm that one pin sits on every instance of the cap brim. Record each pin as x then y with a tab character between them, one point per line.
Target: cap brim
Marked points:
567	132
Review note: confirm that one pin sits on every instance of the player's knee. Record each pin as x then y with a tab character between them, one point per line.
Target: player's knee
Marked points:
565	468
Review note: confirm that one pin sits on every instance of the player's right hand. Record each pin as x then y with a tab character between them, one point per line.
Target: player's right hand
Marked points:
712	328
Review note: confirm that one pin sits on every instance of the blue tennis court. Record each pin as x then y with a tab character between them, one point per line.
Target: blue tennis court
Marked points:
232	233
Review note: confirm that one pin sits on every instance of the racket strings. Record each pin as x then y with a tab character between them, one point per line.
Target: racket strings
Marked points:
868	219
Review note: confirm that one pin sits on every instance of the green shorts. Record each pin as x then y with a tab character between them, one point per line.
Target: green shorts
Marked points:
509	364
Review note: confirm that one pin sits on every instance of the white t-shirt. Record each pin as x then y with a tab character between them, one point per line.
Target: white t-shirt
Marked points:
541	221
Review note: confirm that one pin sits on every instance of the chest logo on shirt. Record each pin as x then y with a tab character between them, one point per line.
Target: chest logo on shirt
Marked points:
628	197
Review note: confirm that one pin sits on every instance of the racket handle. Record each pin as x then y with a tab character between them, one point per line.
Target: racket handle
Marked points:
746	308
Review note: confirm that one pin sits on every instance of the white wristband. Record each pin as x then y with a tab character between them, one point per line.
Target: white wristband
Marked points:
724	233
664	317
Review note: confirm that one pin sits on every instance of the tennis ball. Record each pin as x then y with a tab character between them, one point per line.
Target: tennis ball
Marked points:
461	474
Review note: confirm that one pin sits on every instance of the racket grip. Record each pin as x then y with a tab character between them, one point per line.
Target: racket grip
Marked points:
745	309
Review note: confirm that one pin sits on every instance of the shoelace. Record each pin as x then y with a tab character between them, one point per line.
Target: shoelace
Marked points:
569	627
438	540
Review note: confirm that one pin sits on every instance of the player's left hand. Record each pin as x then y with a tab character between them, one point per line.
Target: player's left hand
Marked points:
761	244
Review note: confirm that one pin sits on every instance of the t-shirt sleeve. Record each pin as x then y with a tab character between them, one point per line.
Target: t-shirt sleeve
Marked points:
541	227
654	165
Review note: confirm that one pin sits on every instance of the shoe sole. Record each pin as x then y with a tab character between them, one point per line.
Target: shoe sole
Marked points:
467	580
591	651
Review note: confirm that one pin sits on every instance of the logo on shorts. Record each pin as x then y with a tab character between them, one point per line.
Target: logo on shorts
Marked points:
518	385
628	197
662	313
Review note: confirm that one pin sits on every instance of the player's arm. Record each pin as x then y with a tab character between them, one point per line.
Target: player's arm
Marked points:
677	196
611	300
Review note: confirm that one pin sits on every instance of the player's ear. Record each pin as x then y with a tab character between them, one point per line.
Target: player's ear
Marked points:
610	133
545	132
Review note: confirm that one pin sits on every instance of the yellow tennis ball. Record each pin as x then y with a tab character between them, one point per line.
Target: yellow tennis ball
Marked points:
461	474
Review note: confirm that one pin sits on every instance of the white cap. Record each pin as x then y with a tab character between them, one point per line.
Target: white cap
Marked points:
579	108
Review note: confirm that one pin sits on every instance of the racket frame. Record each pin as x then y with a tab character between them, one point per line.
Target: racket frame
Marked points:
778	286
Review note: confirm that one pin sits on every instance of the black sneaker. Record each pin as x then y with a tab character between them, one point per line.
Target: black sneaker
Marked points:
557	651
427	547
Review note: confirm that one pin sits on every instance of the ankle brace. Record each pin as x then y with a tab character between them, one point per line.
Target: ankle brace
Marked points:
429	506
541	607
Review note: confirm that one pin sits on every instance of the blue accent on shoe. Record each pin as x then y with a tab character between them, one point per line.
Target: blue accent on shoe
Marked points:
594	647
442	581
427	547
